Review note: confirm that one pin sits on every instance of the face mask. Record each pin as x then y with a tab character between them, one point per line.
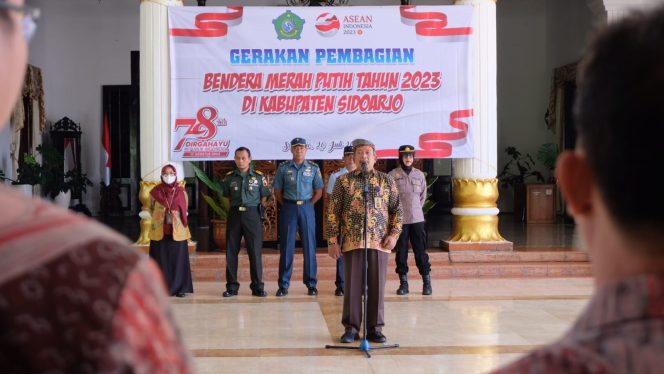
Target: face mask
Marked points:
168	179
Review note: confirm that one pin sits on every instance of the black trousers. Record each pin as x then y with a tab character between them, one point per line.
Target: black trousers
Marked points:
249	225
416	234
351	316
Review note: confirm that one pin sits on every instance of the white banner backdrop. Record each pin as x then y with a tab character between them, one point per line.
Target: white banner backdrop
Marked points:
260	76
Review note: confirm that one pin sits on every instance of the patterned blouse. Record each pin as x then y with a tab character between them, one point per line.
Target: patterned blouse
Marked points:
621	331
346	210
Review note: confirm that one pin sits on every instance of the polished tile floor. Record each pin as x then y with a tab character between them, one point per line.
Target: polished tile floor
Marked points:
466	326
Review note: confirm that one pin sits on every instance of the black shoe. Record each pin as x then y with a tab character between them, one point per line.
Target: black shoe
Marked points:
339	292
259	293
229	293
282	292
312	291
349	337
179	294
376	337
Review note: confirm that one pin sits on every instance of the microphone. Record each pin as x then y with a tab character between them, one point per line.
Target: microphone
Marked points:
365	168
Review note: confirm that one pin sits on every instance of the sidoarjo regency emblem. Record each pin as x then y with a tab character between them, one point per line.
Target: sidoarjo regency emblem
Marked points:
288	25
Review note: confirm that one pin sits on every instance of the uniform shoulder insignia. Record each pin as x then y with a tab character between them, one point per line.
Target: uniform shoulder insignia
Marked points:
230	172
283	163
258	172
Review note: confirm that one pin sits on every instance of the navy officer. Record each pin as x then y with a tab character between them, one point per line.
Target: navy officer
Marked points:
298	185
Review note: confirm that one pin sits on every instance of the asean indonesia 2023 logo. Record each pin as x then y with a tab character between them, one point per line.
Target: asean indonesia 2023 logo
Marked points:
288	25
327	24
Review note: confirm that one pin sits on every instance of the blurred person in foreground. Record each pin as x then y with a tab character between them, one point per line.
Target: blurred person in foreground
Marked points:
75	297
606	179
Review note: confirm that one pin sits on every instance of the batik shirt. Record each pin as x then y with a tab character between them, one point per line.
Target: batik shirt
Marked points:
75	297
621	331
347	209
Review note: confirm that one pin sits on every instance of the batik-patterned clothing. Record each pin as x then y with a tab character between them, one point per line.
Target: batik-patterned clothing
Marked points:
621	331
75	297
347	209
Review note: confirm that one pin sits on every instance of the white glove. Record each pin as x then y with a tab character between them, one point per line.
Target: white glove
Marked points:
144	214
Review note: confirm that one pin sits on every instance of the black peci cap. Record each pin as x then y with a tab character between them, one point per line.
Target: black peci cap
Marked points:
348	150
360	142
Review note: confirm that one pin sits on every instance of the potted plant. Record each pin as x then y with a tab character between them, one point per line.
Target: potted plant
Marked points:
53	175
547	155
78	183
519	169
219	205
28	174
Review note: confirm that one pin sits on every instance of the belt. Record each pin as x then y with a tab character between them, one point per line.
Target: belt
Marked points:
295	202
241	208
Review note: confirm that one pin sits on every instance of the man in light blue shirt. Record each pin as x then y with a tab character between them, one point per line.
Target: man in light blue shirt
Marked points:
349	165
298	185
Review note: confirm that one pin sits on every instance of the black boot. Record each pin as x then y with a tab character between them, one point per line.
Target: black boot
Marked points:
426	284
403	287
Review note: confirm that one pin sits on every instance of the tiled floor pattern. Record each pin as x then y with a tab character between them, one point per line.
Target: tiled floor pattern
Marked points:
467	326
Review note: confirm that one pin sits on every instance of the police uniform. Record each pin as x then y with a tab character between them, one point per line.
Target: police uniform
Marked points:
297	183
339	279
412	186
244	191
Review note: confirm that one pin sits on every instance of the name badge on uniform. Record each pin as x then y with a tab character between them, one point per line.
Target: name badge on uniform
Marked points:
250	188
378	202
235	188
292	179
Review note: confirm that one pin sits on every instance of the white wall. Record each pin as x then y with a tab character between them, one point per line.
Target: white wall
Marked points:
80	46
84	44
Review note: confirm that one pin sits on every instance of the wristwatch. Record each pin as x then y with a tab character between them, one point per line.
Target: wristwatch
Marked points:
331	241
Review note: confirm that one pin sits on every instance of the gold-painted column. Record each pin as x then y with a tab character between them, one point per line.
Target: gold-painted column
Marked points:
474	184
155	101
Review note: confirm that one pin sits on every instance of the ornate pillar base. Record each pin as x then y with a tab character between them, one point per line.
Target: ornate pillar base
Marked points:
475	217
144	197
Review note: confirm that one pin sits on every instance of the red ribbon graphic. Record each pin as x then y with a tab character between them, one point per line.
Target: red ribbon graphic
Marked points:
210	25
436	144
431	23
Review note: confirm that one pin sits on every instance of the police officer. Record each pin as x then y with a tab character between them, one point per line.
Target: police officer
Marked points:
247	190
298	185
349	165
412	186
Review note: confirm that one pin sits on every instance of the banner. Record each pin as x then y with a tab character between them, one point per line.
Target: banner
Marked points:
260	76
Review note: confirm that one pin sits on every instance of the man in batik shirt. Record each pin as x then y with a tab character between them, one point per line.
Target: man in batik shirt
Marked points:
347	210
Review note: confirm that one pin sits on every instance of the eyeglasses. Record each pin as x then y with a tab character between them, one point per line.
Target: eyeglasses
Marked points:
28	22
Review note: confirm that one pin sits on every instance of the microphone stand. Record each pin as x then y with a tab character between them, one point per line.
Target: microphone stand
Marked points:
364	343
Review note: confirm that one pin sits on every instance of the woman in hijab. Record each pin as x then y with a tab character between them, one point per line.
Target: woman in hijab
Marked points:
169	232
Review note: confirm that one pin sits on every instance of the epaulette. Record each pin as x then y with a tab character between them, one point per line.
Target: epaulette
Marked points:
283	163
230	172
258	172
313	164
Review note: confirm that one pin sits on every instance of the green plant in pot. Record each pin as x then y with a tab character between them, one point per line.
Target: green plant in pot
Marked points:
53	175
219	204
518	169
428	203
29	171
547	154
